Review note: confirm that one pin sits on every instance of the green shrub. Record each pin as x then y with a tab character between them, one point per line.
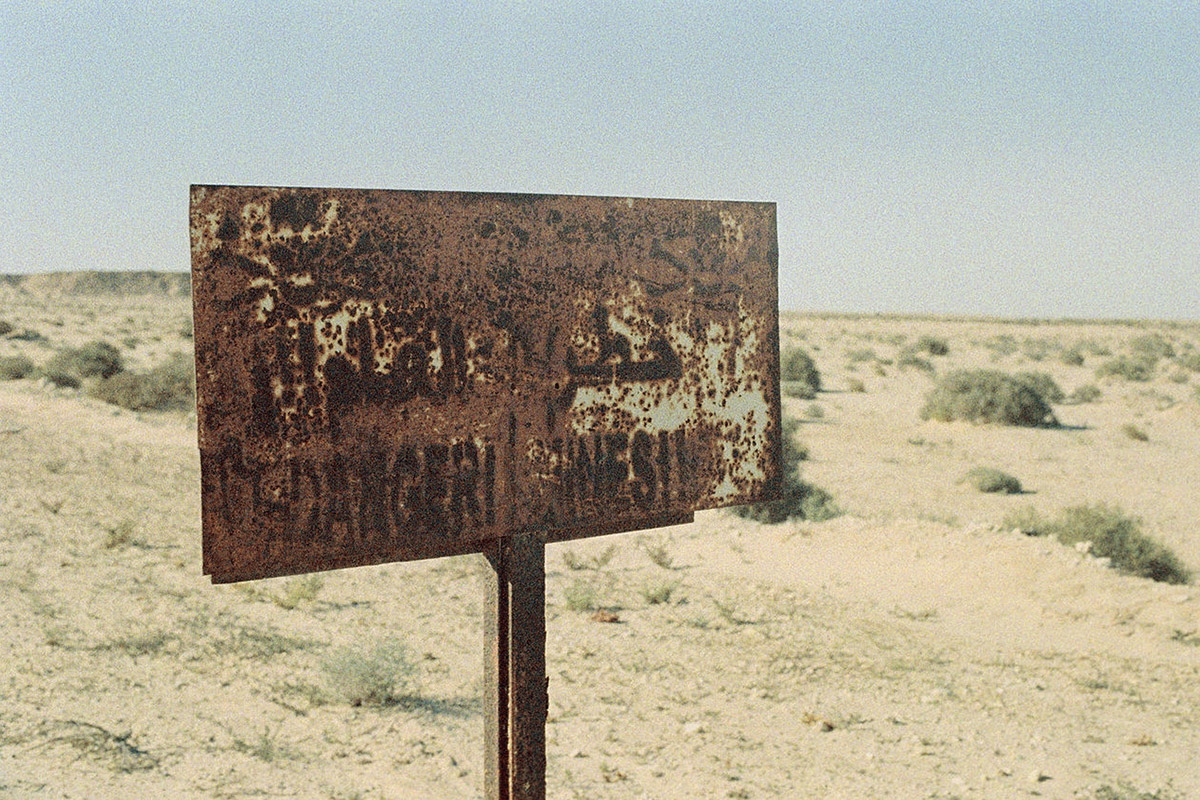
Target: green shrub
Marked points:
867	354
1002	345
1191	361
1112	535
798	366
377	677
1139	368
910	360
170	385
1152	346
13	368
855	385
63	380
5	327
94	360
986	479
1088	393
581	595
1044	385
986	396
932	345
658	592
799	390
1072	357
1037	349
799	500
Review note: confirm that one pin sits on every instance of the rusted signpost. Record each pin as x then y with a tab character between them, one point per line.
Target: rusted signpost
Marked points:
387	375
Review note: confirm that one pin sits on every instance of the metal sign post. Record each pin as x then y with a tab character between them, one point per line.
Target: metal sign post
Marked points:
385	376
516	694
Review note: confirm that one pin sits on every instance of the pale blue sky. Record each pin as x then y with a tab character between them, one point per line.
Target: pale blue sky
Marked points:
1027	159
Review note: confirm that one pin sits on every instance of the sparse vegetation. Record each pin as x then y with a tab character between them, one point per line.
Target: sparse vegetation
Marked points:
799	373
302	589
574	561
1134	432
1112	535
1044	385
13	368
1126	792
1152	346
121	534
992	481
1072	356
96	359
933	345
63	380
1087	393
658	592
377	677
658	552
1139	369
856	386
168	386
581	595
987	396
910	360
1190	361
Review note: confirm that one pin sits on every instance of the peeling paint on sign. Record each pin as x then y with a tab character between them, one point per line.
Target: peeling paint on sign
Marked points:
387	375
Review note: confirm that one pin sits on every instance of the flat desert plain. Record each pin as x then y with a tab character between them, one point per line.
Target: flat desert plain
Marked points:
914	647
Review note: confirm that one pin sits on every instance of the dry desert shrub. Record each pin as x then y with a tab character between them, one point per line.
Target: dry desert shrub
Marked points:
1044	385
1087	393
1108	533
933	345
302	589
574	561
170	385
992	481
1130	368
1134	432
5	327
658	592
1072	356
1126	792
96	359
1190	361
987	396
799	374
581	595
910	360
13	368
380	676
1153	346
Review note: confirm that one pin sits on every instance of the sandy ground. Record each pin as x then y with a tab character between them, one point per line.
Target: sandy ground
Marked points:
911	648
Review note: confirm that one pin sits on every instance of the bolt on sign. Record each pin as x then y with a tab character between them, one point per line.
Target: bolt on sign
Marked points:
394	375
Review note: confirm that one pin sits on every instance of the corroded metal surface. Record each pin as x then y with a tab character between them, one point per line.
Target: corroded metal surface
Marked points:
388	375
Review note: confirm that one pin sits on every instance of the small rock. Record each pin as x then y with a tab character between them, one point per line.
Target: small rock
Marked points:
1037	776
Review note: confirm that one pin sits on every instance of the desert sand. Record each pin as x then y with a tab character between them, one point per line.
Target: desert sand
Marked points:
913	647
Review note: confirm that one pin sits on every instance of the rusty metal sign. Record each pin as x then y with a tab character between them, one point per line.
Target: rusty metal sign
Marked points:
394	375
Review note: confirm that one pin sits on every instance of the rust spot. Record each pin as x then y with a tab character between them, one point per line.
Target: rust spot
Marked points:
386	375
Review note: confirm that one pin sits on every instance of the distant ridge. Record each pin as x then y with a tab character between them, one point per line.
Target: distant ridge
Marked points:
93	282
